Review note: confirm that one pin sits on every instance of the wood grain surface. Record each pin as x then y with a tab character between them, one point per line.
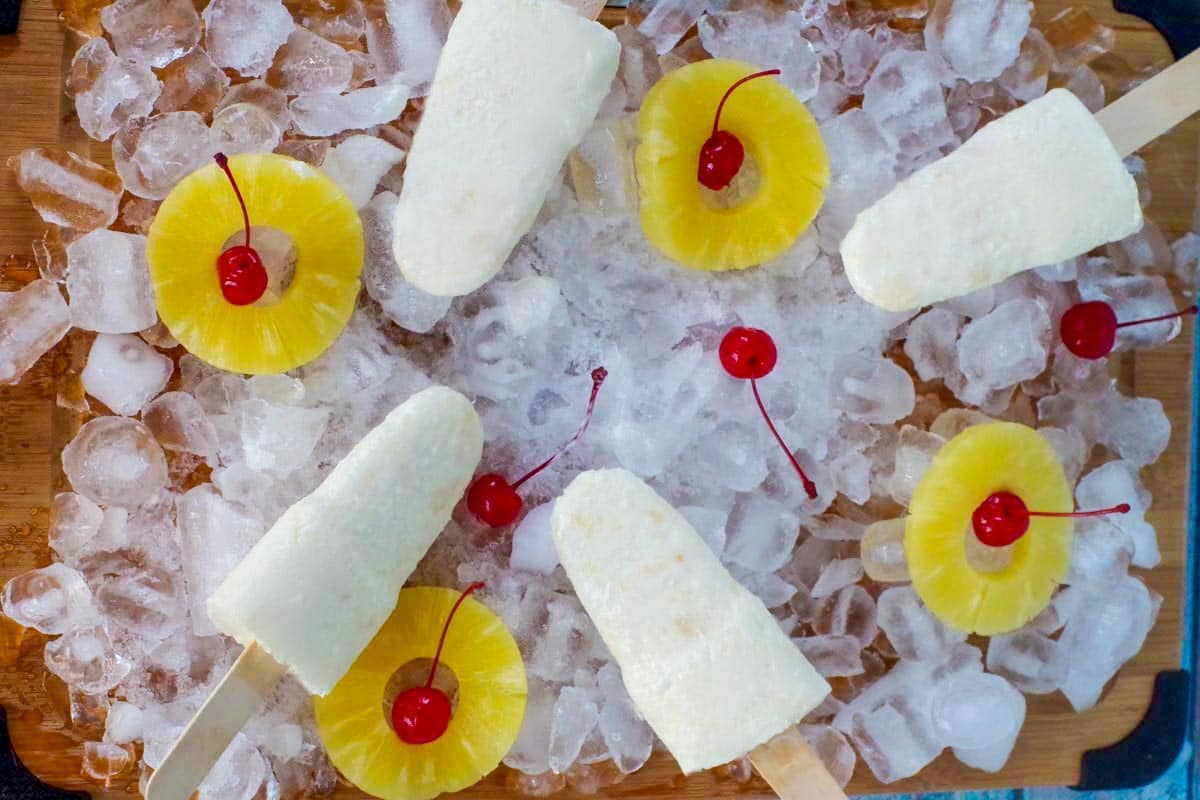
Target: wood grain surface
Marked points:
34	112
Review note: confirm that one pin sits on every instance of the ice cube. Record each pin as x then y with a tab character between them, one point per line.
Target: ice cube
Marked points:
192	83
1100	554
832	656
640	67
668	20
284	741
405	304
125	373
710	524
735	456
1185	259
139	592
1026	78
851	613
1142	252
532	548
894	740
883	551
53	599
768	587
1008	345
109	283
179	423
67	189
124	724
103	761
753	37
85	659
575	715
74	521
240	770
339	21
832	748
1134	297
324	114
629	739
109	91
872	389
978	39
270	100
980	716
32	320
359	163
531	752
405	38
1087	86
214	536
243	35
566	642
931	344
914	454
602	171
153	154
309	63
152	32
1106	630
904	97
115	461
1029	659
836	575
280	438
911	628
1114	483
243	128
761	534
1070	447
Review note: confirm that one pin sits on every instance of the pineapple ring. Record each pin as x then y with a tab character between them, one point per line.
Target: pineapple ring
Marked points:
777	131
981	460
188	235
491	701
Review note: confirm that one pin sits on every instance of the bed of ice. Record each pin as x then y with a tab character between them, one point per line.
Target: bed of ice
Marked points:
182	467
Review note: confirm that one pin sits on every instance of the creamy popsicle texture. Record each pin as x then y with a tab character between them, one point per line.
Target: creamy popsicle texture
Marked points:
518	85
704	661
317	587
1039	185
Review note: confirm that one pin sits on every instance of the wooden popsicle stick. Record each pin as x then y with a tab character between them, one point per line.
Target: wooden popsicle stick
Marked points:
232	703
793	770
1153	108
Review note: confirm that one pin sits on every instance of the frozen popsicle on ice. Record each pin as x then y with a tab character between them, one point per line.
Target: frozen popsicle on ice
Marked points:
518	85
704	661
316	588
1039	185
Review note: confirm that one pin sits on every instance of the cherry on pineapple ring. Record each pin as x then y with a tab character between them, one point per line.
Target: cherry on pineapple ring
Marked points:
356	727
187	237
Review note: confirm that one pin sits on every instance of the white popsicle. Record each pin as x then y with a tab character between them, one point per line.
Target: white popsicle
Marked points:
317	586
518	84
704	661
1039	185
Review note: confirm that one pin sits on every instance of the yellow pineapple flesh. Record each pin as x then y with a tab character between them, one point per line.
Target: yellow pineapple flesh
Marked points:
783	146
986	458
479	650
190	232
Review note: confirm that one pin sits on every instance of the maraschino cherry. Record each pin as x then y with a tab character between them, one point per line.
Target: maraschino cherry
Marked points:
495	501
750	354
1089	330
421	714
240	268
722	155
1003	518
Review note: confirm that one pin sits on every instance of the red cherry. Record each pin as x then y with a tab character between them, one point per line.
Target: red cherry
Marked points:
1089	330
722	154
494	501
240	270
1003	518
421	714
750	354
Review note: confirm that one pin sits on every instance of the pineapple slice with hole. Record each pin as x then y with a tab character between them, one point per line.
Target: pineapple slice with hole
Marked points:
786	167
285	329
948	566
483	657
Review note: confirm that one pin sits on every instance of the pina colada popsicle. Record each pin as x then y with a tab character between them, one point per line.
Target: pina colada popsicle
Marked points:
518	85
704	661
315	589
1039	185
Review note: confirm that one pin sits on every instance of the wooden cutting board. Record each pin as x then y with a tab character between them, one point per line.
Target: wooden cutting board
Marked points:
34	112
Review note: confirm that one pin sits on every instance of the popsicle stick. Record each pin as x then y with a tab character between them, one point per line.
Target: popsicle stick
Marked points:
236	698
1155	107
793	770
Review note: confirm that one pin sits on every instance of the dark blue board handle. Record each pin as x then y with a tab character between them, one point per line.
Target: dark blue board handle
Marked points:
10	12
1177	20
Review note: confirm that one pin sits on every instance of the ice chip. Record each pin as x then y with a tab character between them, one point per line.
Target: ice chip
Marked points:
851	613
978	39
243	128
108	280
309	63
124	372
1100	554
241	769
832	748
280	438
179	423
753	37
74	521
32	320
1029	659
404	40
883	551
532	548
86	660
575	715
932	343
404	304
761	534
913	631
152	32
872	389
67	189
53	599
124	724
629	739
914	454
109	91
1118	482
324	114
904	97
192	83
836	575
833	656
243	35
668	20
214	536
153	154
358	164
1008	345
115	461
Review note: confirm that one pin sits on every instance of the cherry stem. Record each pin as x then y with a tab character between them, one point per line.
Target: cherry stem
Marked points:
598	376
474	587
729	91
223	163
1123	508
1184	312
809	487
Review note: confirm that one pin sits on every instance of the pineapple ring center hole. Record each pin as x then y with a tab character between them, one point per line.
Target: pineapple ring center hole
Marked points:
278	253
741	191
416	673
985	558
